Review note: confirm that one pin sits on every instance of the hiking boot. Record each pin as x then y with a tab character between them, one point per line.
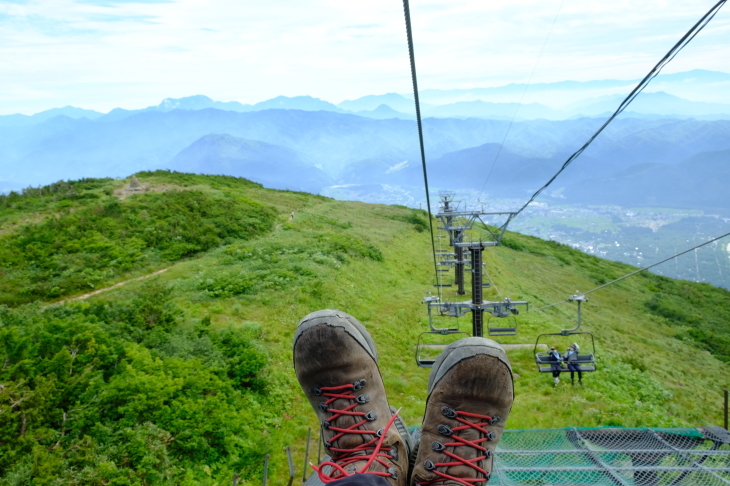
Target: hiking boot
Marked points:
336	363
470	395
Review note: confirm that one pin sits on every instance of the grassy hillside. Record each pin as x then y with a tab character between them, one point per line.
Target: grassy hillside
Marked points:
186	378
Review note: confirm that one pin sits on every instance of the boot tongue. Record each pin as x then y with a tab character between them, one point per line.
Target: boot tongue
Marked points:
348	441
467	453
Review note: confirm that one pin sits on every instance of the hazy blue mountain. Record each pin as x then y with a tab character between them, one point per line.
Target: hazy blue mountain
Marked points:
698	182
566	99
372	102
199	102
501	111
65	148
514	91
196	102
470	169
383	170
383	112
271	165
667	141
694	76
698	84
347	147
306	103
68	111
16	120
119	113
659	103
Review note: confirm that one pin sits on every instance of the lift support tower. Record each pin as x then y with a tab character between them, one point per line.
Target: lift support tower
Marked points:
457	224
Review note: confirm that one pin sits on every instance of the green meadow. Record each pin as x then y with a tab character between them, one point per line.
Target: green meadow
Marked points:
186	377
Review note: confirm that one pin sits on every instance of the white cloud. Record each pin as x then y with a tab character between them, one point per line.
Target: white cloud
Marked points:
397	167
103	53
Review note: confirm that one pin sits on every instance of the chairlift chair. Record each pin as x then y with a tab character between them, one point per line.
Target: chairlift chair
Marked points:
503	331
586	361
508	311
427	362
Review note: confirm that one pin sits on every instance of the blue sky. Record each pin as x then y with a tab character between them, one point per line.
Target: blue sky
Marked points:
100	54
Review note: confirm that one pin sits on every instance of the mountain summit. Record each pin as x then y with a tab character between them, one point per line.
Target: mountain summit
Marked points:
262	162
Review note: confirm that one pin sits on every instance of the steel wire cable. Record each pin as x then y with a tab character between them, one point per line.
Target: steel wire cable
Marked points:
636	271
407	13
493	284
686	39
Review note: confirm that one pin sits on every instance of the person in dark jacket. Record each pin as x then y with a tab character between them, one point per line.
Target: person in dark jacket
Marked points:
555	359
571	357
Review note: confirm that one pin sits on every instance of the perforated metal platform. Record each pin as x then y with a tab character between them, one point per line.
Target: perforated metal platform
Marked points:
609	456
614	456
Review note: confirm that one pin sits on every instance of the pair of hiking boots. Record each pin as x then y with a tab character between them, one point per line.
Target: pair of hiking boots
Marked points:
470	394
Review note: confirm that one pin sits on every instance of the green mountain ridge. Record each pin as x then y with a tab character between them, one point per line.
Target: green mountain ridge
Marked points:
186	378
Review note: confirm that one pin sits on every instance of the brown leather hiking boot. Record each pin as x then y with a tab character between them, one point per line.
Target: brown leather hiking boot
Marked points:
470	395
336	363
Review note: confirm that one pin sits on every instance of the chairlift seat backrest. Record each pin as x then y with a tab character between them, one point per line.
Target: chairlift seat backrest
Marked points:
544	361
427	362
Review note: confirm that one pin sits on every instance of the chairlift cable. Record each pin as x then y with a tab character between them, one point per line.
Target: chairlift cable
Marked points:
634	93
407	13
547	306
636	271
493	285
519	104
658	263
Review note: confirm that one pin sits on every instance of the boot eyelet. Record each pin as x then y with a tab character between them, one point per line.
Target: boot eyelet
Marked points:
322	406
393	453
445	430
316	391
490	436
448	412
363	399
327	444
358	385
371	415
429	466
325	424
488	453
494	420
393	473
437	446
379	433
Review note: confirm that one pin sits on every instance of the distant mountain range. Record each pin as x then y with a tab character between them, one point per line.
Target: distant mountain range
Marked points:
312	150
669	152
552	101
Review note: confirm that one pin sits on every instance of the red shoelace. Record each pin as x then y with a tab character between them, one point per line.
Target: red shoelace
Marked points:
460	442
359	453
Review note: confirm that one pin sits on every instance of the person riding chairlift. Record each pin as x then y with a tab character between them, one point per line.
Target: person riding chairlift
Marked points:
571	356
556	360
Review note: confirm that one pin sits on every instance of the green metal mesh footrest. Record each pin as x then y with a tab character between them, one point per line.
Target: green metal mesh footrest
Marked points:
612	456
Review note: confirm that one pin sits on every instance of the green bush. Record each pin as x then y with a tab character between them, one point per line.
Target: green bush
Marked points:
83	249
126	394
413	217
